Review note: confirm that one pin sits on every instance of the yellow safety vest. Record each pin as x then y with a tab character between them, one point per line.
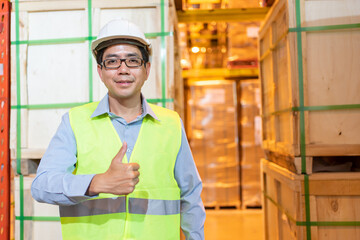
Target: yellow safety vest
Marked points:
152	211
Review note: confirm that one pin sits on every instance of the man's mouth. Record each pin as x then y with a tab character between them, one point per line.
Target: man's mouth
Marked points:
124	82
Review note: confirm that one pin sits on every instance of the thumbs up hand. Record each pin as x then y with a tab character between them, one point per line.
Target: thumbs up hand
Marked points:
119	179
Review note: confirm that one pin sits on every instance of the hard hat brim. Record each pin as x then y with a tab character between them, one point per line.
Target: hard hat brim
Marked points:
113	40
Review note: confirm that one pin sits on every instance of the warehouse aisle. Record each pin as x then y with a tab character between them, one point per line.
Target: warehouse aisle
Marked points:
234	225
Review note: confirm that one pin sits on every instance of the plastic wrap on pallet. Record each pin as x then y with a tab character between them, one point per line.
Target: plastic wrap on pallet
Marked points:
251	151
213	136
242	44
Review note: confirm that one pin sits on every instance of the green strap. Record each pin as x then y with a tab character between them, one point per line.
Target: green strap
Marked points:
53	41
325	28
160	100
302	119
18	121
307	205
301	89
90	51
78	39
273	46
314	108
283	210
163	53
328	224
325	108
159	34
38	218
48	106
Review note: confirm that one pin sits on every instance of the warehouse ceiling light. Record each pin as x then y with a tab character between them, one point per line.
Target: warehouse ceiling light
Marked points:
195	49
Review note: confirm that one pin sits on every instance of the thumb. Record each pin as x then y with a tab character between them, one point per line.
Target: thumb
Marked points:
120	155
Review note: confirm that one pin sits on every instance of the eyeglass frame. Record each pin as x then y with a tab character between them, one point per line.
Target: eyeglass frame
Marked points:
121	61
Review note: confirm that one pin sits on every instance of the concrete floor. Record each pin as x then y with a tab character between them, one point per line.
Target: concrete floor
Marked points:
231	224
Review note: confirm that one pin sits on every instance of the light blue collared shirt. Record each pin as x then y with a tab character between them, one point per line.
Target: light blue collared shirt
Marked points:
55	184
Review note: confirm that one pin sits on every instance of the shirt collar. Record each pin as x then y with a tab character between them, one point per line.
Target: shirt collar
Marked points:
103	107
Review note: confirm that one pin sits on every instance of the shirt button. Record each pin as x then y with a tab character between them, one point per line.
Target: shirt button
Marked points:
128	150
126	126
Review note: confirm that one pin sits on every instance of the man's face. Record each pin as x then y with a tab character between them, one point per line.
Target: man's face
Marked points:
124	83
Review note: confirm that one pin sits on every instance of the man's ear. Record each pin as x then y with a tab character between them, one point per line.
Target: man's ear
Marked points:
147	67
99	70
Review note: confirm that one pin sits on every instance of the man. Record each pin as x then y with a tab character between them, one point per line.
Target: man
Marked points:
122	168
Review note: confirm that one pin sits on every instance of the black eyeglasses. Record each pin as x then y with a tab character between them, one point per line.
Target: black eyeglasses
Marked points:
115	63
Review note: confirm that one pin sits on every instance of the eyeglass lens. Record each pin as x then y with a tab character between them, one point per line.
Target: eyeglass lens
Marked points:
114	63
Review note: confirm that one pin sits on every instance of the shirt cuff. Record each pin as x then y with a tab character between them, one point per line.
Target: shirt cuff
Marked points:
77	188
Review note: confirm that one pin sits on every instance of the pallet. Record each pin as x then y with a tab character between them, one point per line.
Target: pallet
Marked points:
316	103
217	206
333	204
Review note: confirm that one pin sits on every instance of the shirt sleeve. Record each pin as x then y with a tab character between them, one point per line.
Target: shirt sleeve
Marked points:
189	182
54	182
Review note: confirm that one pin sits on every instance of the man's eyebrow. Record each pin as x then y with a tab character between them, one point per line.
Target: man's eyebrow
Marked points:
127	55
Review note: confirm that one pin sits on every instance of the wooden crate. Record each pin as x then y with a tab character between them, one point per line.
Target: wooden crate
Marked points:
330	78
54	64
334	199
47	228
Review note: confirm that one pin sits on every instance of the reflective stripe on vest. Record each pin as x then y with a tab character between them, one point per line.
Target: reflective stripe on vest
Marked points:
155	203
118	205
95	207
154	206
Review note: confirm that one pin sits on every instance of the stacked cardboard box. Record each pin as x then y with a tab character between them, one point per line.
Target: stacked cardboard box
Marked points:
251	151
243	44
212	131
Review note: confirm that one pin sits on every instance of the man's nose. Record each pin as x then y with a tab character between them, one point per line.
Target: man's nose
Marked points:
123	68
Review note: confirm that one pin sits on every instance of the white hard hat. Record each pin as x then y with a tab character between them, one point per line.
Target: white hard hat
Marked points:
120	31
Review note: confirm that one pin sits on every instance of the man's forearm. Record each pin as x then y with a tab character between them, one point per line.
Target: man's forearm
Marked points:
70	189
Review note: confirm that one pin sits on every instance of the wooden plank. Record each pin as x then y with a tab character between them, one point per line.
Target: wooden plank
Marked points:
338	187
328	162
28	153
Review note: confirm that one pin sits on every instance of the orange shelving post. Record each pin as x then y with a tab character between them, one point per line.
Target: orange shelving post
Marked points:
5	8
